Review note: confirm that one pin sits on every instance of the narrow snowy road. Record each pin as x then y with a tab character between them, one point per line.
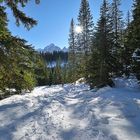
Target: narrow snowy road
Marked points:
71	113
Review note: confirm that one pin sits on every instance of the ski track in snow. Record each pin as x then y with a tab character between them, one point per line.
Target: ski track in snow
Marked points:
71	113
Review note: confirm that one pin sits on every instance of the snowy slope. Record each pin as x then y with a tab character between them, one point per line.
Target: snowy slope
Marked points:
71	112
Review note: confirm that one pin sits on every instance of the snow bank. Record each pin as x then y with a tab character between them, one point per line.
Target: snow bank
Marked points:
122	82
80	81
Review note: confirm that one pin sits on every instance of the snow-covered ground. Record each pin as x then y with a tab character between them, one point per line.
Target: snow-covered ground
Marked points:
72	112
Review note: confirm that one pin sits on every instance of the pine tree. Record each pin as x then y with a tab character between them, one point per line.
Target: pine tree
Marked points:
126	52
117	23
51	77
86	23
64	75
100	65
17	59
58	72
84	39
134	36
136	25
17	69
41	70
72	53
4	34
117	28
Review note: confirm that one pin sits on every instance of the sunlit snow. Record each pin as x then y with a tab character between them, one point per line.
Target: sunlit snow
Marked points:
73	112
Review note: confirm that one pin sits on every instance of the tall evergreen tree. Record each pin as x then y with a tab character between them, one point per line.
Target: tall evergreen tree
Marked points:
64	74
117	28
100	65
133	39
117	23
85	20
72	52
16	57
84	38
17	69
126	51
58	72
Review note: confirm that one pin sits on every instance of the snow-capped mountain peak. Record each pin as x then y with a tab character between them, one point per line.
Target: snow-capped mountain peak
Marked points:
65	49
51	48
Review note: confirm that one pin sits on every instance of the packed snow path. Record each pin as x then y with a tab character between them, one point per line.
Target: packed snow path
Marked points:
71	112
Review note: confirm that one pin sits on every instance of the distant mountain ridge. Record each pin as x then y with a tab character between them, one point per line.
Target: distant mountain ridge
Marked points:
51	48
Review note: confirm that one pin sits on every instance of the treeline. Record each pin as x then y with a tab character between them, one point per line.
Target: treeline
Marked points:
55	56
97	52
56	68
56	75
108	49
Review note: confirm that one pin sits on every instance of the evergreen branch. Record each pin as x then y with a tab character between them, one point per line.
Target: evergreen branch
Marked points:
20	16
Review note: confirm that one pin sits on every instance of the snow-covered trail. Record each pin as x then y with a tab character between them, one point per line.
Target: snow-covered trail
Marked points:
71	113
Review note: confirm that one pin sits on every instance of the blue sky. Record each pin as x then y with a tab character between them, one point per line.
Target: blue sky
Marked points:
54	18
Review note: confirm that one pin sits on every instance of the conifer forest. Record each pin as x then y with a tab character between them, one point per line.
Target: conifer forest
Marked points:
86	89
